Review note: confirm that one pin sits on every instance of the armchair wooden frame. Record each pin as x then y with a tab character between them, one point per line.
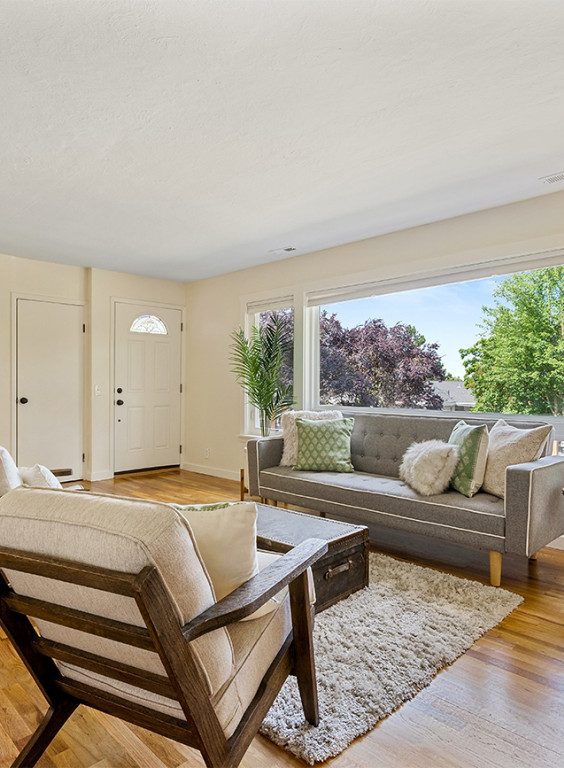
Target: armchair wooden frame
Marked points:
163	634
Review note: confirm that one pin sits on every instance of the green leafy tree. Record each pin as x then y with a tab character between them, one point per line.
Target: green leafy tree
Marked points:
518	364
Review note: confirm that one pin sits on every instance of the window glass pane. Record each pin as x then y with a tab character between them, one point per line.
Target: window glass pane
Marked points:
286	317
148	324
495	344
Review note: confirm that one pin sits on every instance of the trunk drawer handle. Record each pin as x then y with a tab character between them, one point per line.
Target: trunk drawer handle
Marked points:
332	572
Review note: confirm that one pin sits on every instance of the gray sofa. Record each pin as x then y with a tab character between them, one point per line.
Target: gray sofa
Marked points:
531	516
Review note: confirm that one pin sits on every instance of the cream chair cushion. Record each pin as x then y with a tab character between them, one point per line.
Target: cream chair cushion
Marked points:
123	535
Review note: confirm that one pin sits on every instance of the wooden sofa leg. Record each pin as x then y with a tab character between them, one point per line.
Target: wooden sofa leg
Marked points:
55	717
242	489
304	660
495	568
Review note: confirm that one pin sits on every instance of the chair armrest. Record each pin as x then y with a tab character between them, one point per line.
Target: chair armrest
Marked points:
255	592
261	454
534	504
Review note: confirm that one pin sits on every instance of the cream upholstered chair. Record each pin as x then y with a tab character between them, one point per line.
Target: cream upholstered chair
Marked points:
127	622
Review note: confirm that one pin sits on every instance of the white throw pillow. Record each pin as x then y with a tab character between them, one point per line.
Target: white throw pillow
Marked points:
511	445
38	476
428	466
290	431
9	475
226	537
231	528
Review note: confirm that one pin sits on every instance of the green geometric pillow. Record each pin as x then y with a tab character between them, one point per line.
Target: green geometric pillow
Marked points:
472	445
325	446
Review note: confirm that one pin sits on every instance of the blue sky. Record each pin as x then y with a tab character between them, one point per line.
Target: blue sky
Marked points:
447	314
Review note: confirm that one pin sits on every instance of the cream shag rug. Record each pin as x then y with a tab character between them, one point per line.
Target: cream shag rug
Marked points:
381	646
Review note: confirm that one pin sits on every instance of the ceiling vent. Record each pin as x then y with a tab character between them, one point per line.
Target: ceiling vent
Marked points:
280	251
554	178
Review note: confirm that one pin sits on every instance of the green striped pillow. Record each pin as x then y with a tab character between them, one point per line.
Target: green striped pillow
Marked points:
472	442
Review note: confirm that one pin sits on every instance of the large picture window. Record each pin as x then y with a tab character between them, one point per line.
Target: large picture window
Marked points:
491	345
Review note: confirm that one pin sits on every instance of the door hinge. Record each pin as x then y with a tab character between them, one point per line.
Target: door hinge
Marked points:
83	457
83	327
180	449
181	389
181	326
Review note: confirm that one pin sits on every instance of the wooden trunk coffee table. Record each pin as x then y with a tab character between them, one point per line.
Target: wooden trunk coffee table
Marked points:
342	571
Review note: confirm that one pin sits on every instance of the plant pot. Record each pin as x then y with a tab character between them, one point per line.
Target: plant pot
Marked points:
265	425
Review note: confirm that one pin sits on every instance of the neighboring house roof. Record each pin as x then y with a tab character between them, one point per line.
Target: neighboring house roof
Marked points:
454	393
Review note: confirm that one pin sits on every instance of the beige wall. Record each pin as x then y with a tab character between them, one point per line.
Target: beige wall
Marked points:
214	401
96	288
213	418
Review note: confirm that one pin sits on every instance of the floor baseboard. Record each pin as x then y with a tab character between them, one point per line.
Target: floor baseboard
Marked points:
205	469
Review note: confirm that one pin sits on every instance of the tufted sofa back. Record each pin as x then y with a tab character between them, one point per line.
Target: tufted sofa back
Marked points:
379	440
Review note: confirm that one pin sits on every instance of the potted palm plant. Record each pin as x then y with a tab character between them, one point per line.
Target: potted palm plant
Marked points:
257	362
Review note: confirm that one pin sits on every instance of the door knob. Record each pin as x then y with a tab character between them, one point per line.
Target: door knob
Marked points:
119	402
24	400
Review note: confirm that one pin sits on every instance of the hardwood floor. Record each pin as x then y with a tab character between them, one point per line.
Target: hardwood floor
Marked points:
501	705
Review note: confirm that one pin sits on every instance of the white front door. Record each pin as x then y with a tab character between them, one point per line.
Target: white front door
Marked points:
49	376
147	386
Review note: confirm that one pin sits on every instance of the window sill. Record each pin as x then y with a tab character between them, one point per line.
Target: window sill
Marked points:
245	438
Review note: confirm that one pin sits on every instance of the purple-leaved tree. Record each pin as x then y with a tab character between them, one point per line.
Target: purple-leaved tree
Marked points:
373	365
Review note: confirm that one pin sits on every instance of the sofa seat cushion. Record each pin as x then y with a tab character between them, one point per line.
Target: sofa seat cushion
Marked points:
388	497
255	645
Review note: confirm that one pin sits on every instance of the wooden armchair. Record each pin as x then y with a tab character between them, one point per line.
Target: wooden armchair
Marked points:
146	642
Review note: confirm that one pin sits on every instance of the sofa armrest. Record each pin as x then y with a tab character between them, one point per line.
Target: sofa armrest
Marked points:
534	504
261	454
255	592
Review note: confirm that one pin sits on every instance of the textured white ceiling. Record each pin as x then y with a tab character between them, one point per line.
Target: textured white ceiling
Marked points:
185	138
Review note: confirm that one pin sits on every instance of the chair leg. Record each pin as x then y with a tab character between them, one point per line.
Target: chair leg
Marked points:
55	717
304	660
495	568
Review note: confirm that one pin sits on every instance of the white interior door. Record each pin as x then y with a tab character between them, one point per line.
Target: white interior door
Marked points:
147	386
49	375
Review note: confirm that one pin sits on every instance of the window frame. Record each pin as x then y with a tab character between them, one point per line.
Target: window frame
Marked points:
307	297
252	309
333	293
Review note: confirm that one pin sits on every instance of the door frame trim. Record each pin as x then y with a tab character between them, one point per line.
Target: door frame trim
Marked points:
158	304
15	296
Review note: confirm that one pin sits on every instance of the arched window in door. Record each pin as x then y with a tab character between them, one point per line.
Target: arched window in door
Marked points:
148	324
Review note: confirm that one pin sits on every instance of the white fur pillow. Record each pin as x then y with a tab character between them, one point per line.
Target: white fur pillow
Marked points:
290	431
427	467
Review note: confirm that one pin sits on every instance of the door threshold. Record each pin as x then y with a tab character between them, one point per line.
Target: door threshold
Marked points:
145	469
